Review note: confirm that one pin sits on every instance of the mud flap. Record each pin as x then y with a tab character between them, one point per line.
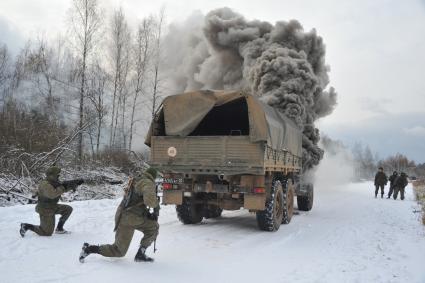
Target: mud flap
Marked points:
255	202
172	197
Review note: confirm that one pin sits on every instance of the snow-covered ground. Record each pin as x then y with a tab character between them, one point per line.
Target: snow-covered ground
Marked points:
349	236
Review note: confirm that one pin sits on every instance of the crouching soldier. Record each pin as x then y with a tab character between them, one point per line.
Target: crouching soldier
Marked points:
392	181
49	192
138	210
400	184
380	181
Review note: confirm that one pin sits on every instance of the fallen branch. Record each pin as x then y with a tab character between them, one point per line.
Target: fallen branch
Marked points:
99	192
17	194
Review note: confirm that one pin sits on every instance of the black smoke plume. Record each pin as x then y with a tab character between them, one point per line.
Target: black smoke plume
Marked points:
280	63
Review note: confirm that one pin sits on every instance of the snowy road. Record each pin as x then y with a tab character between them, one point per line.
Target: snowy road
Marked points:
348	237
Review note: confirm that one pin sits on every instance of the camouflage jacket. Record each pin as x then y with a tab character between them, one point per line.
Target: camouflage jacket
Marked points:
381	179
49	194
142	196
392	179
400	182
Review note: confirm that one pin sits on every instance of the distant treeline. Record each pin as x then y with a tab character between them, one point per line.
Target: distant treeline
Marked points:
366	163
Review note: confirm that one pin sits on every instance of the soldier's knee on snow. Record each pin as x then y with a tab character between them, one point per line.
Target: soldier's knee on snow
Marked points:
121	252
47	232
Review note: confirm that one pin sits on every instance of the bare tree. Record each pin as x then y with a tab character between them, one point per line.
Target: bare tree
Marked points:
5	71
159	26
4	64
86	21
40	63
96	94
141	52
20	71
119	55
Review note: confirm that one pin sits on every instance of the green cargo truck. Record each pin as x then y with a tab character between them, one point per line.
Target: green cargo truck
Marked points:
227	150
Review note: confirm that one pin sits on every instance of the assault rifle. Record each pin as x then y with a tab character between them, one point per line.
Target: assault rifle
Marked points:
72	184
156	213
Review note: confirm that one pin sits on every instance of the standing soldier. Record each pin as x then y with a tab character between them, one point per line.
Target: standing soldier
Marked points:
49	192
400	184
138	210
392	180
380	181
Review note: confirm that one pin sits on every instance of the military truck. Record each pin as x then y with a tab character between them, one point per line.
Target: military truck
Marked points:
227	150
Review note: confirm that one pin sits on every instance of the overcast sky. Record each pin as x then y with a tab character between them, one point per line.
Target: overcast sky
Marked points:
375	49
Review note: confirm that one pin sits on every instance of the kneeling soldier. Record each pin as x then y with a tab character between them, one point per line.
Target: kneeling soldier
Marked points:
49	192
138	210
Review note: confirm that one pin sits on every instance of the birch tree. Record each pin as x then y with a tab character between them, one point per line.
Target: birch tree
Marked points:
141	52
96	94
5	71
119	56
157	62
86	21
4	65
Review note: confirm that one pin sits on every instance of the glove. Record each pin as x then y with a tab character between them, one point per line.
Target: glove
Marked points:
152	216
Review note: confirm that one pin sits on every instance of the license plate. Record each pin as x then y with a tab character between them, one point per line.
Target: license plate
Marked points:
173	180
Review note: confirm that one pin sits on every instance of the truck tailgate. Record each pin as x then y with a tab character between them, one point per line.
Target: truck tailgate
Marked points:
216	153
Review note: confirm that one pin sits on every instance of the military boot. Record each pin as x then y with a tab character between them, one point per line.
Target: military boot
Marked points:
141	255
59	228
86	250
24	228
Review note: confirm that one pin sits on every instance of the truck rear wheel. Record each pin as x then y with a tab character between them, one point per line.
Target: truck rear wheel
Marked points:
189	212
212	211
305	203
271	218
288	203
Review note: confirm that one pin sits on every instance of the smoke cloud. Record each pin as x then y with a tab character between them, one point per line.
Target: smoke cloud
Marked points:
281	63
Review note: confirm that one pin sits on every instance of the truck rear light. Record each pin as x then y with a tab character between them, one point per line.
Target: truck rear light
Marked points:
167	186
259	190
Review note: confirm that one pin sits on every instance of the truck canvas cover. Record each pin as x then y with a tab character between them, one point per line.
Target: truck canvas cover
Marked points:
183	113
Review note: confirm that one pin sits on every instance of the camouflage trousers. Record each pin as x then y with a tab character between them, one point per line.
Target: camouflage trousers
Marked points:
401	190
377	189
47	218
390	191
124	235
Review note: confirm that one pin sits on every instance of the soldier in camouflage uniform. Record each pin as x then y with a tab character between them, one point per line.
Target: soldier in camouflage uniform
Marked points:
49	192
392	180
380	181
138	210
400	184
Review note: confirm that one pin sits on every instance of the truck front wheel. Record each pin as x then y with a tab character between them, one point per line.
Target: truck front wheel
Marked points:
271	218
189	212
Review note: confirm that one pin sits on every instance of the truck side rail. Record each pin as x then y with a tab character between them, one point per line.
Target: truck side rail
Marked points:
281	161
